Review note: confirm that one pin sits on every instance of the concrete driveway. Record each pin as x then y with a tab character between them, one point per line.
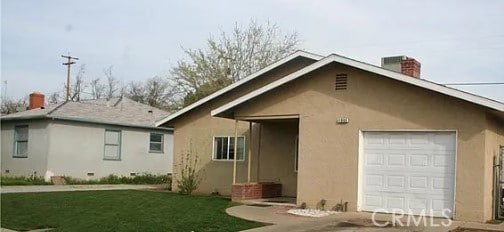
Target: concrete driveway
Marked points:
349	221
65	188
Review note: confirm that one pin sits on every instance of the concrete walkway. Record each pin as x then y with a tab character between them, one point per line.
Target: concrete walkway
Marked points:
64	188
350	221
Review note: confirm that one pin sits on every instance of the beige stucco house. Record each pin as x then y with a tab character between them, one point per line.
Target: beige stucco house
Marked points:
337	129
87	140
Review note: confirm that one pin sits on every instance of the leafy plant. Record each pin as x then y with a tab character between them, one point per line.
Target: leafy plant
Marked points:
23	180
145	178
321	204
189	180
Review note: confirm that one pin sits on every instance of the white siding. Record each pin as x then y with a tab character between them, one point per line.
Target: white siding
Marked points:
36	162
77	149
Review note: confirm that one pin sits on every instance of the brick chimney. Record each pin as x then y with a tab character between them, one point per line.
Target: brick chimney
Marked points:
37	100
402	64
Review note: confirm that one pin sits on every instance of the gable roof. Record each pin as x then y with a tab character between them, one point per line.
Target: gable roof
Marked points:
116	111
239	83
486	102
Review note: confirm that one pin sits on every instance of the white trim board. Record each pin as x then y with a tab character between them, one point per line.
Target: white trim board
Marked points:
489	103
239	83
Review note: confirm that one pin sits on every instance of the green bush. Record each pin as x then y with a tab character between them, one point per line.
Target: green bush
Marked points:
23	180
71	180
145	178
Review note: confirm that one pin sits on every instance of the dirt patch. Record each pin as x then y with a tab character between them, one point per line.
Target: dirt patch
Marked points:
366	223
260	205
462	229
277	201
354	225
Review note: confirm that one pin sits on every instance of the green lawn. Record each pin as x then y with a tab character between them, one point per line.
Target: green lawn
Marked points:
118	211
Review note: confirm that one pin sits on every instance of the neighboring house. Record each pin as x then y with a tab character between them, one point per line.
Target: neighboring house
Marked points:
341	130
88	139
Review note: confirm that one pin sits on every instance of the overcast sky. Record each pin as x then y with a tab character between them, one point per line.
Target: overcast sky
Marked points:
456	41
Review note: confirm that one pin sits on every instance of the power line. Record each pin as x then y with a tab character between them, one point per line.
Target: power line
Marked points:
477	83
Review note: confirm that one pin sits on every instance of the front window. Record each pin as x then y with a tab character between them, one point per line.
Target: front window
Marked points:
224	148
21	141
112	145
156	143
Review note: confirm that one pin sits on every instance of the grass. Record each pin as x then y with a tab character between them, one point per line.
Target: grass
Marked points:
128	210
22	180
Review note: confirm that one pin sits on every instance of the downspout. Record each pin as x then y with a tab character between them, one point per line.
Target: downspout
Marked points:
259	151
235	151
249	151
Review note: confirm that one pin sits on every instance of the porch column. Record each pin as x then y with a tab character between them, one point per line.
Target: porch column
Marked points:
235	151
249	152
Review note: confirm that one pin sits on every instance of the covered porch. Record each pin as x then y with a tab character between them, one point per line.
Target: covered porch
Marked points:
274	142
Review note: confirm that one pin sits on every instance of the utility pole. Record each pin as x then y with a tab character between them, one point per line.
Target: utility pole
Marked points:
4	91
68	64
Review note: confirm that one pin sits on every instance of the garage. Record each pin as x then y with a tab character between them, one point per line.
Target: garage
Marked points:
412	172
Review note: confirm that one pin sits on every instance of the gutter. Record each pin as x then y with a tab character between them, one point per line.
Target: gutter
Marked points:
85	121
107	123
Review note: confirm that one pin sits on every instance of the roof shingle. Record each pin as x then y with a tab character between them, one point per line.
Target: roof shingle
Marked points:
122	111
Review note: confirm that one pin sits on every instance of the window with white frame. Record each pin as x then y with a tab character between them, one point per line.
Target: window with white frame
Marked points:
156	143
224	148
21	141
112	145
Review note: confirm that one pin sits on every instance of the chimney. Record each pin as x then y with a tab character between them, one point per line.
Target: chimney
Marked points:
402	64
37	100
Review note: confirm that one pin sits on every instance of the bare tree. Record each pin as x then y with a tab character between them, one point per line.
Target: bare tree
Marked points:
97	88
228	58
10	106
112	85
54	98
136	92
154	91
79	85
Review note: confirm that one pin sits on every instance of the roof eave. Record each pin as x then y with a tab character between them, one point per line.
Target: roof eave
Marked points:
489	103
239	83
50	117
23	118
63	118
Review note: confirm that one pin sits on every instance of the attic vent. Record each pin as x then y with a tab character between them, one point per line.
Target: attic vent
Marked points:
341	82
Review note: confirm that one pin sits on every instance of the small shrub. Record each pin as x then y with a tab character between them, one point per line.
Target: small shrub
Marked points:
189	180
23	180
321	204
72	181
114	179
110	179
151	179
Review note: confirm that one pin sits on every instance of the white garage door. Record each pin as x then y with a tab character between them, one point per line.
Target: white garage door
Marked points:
409	171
